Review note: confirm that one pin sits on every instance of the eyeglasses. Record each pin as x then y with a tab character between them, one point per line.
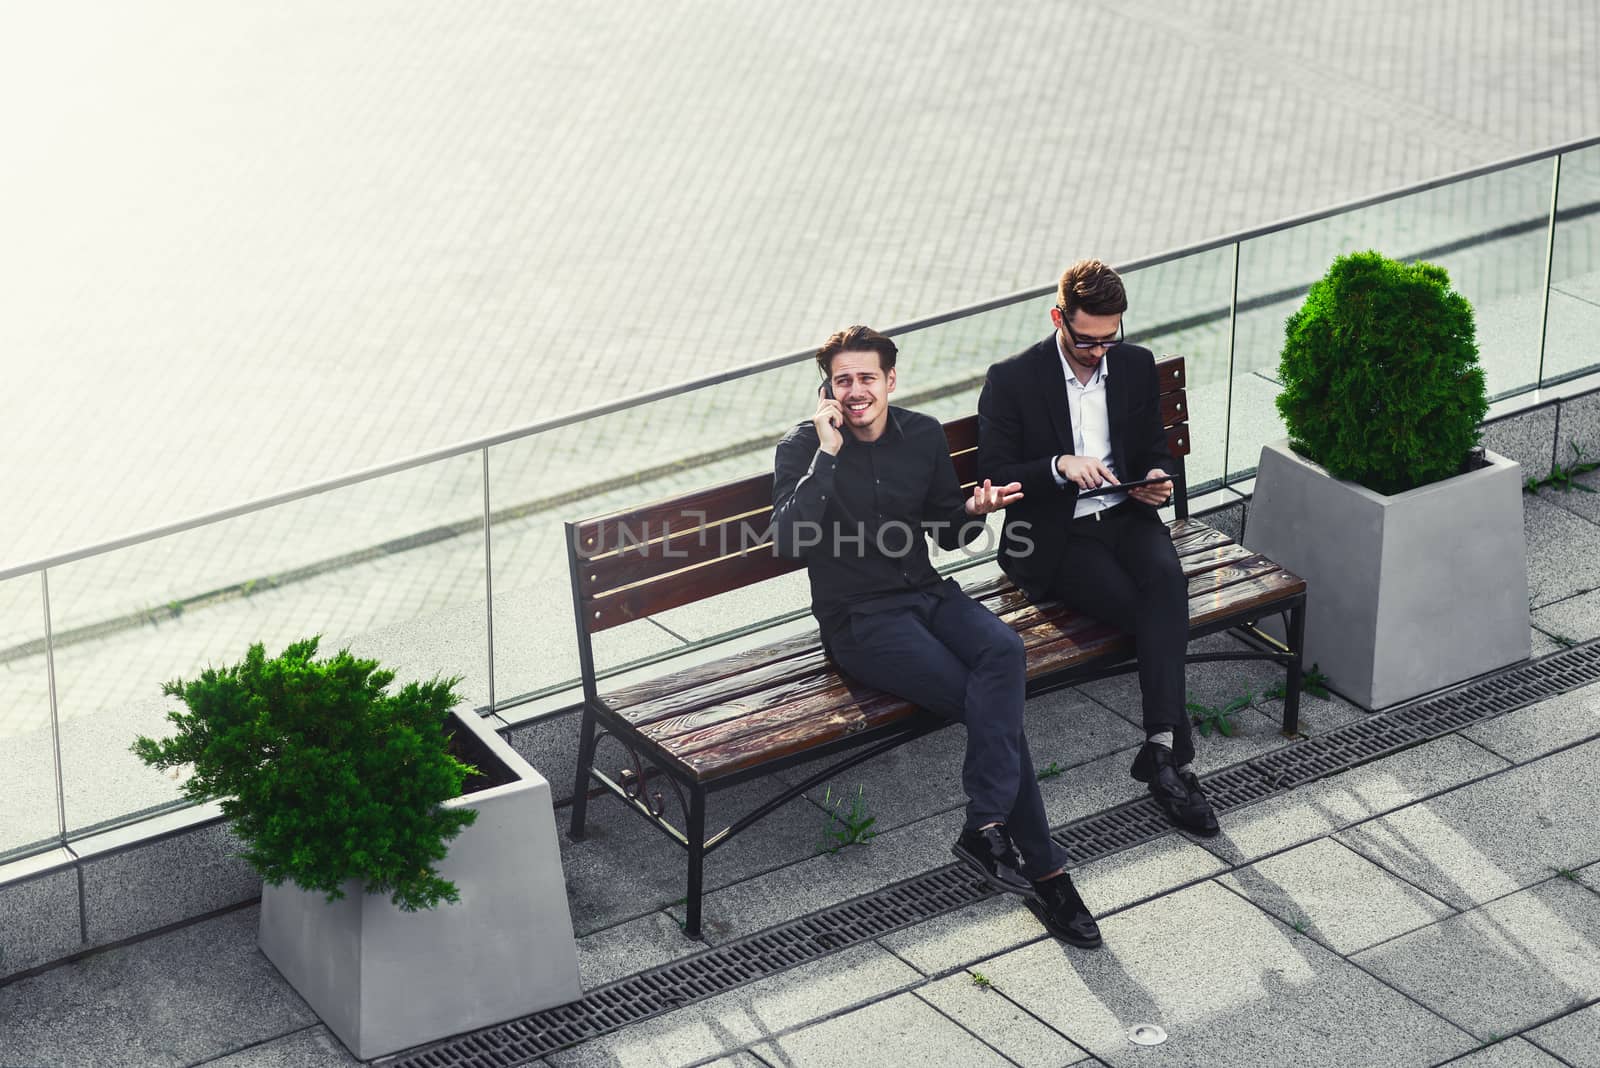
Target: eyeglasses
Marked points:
1089	342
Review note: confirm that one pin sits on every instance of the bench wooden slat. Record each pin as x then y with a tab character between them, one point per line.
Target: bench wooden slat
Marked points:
604	534
686	548
736	664
738	747
835	706
788	662
1178	439
685	587
1169	373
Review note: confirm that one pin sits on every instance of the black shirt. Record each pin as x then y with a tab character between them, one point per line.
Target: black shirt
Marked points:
858	519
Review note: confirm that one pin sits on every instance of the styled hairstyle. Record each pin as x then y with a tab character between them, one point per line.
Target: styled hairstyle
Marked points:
1092	286
856	339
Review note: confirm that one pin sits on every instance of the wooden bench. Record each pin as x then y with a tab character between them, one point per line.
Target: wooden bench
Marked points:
744	716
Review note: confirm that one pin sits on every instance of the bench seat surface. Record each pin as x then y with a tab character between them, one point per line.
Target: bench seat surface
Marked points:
785	698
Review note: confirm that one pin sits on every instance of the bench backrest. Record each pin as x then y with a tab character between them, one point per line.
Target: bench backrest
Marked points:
630	565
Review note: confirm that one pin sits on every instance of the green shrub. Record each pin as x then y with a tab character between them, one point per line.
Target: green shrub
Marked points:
325	775
1381	383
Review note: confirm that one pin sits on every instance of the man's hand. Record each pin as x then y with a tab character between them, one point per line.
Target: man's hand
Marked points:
1156	493
1086	471
828	420
990	498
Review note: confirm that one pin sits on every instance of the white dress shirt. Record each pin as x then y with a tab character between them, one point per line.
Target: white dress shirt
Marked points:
1091	431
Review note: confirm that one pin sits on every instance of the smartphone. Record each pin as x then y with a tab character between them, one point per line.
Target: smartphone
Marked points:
826	390
1107	487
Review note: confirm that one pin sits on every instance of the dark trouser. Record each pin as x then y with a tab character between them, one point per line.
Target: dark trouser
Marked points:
1123	570
950	655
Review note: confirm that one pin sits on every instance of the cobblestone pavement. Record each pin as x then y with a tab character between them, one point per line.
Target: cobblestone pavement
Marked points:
339	255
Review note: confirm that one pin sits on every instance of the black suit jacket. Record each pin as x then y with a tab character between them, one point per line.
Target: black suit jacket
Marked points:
1023	424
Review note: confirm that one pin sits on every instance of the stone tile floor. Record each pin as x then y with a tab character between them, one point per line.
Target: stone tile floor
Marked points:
1439	905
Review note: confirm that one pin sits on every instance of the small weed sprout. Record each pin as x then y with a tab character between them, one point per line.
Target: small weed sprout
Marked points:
1220	717
1564	478
845	829
981	981
1312	681
1050	772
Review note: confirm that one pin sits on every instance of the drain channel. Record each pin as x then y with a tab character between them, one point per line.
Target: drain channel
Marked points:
716	971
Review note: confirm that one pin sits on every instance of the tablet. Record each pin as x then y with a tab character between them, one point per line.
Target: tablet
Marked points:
1109	487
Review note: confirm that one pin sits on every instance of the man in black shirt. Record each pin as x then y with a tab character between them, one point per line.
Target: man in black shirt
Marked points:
855	492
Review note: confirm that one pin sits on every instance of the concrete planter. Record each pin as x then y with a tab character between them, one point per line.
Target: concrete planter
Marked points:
1407	593
384	980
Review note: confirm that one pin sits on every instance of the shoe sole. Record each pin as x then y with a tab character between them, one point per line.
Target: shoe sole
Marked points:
1059	933
994	882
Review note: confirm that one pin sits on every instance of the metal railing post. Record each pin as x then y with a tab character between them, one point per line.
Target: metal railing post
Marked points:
488	575
55	716
1227	406
1549	265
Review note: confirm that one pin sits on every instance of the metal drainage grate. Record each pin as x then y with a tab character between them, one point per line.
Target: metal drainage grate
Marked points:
716	971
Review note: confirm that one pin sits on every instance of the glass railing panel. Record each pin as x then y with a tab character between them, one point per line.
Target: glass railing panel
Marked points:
617	462
393	568
28	814
1573	327
1488	232
1181	308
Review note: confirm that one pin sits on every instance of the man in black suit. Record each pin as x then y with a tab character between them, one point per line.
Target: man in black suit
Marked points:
856	492
1077	411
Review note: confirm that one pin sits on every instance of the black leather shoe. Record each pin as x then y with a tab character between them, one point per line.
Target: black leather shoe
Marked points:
1063	912
990	854
1179	796
1205	819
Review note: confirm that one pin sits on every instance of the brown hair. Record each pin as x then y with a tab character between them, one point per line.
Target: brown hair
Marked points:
1092	286
856	339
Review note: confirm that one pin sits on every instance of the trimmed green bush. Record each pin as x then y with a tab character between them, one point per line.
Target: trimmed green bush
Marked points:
1381	382
325	775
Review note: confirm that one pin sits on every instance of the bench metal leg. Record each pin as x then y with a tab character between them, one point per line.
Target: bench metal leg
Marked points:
1296	627
697	859
580	790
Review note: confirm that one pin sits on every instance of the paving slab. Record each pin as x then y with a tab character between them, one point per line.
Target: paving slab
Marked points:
1143	871
1230	985
44	922
184	996
1583	499
1506	1053
1342	899
1575	1037
899	1030
968	998
1543	644
1579	421
749	1014
1576	618
924	776
624	867
1492	837
1318	715
313	1047
1563	551
1506	966
970	934
1089	788
1324	806
825	879
1214	683
1541	728
1526	437
631	947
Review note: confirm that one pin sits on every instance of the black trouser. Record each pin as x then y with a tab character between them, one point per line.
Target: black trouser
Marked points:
952	656
1122	569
